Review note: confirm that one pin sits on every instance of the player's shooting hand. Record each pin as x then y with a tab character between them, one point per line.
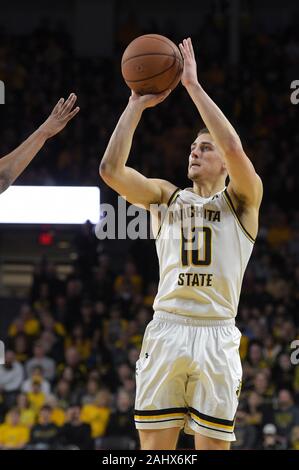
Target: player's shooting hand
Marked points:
62	113
189	75
147	101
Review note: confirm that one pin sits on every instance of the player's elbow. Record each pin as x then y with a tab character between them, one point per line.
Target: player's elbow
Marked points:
107	172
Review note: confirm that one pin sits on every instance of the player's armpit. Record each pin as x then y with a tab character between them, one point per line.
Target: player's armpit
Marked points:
136	188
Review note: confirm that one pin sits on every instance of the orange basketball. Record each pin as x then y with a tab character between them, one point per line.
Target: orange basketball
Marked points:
151	64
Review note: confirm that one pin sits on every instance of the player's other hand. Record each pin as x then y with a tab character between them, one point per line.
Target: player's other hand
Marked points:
62	113
147	101
189	75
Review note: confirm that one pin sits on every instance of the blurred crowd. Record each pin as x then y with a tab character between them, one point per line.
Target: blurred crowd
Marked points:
68	380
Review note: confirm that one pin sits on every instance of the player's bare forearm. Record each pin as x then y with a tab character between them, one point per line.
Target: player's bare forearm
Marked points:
244	180
126	181
220	128
118	149
223	133
119	146
13	164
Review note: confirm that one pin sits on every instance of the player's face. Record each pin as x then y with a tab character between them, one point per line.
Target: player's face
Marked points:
205	161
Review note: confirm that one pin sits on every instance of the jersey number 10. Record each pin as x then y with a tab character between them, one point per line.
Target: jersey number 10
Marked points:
196	247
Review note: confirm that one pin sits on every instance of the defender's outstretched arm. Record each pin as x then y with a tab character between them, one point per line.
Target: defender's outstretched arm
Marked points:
13	164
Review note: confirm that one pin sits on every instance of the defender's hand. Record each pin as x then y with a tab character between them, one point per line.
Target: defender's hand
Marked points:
189	75
62	113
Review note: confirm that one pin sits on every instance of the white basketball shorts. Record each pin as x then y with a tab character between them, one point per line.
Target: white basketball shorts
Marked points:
189	376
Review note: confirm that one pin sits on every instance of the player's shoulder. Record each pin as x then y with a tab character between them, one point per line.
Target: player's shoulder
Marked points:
168	190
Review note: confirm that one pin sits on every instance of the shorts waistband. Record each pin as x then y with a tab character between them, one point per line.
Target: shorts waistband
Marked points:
184	320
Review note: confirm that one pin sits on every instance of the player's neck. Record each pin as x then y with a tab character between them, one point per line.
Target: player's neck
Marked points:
208	188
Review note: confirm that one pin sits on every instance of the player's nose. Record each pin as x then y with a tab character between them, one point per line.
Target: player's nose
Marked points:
195	153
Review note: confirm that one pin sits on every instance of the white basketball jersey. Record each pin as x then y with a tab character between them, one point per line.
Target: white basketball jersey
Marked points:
203	251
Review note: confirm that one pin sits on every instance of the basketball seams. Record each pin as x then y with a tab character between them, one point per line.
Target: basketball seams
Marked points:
173	47
169	42
157	38
156	74
146	54
173	81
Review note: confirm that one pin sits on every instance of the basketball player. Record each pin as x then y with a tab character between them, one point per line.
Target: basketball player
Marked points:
13	164
189	371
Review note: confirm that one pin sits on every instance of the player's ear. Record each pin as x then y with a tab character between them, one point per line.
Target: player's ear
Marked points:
223	167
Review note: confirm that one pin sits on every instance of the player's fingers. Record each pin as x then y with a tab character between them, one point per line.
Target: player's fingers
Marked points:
58	105
187	50
73	113
67	100
68	105
182	49
64	106
190	47
185	42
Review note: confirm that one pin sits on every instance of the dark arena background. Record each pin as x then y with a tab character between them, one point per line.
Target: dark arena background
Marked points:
73	307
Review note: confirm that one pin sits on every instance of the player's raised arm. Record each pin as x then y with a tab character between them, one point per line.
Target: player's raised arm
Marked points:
244	182
126	181
13	164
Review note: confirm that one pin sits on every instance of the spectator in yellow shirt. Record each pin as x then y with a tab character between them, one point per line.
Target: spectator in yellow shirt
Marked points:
129	277
78	340
36	397
25	323
27	413
97	413
13	435
58	415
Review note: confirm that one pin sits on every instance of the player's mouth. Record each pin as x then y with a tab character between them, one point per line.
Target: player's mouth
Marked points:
195	164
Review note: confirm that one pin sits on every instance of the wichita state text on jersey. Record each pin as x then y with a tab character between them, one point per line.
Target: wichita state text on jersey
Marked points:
201	264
